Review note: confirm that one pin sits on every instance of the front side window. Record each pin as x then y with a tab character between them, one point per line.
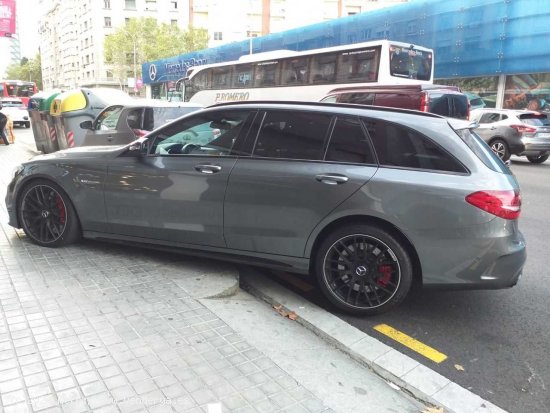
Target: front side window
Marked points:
292	135
108	119
401	147
208	134
348	143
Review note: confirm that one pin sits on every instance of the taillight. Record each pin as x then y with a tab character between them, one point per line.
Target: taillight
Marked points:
424	103
140	133
503	204
524	128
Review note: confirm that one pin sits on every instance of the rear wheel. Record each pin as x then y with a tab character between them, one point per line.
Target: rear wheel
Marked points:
47	215
363	269
538	159
500	148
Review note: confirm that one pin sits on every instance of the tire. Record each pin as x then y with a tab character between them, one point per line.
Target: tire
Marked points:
538	159
47	215
363	269
500	148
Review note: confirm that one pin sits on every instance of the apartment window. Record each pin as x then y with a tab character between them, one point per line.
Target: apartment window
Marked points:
126	20
150	4
218	36
130	4
85	25
87	59
174	22
174	5
107	4
107	22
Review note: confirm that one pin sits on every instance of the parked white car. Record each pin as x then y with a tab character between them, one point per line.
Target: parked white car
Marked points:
17	111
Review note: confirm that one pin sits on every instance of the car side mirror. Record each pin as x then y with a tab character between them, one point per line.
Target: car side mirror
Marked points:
87	124
138	148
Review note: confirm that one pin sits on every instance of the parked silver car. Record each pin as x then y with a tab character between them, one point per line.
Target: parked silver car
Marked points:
514	132
122	124
367	199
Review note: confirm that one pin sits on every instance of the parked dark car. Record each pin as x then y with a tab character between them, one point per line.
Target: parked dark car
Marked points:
439	99
122	124
368	200
515	132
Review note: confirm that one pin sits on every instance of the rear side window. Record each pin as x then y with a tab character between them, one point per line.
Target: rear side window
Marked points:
292	135
482	151
348	143
397	146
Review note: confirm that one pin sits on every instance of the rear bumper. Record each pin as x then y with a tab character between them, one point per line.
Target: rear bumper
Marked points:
487	257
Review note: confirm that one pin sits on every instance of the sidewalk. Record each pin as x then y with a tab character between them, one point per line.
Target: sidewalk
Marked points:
106	328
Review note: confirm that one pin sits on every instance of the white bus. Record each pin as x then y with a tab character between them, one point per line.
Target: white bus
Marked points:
308	75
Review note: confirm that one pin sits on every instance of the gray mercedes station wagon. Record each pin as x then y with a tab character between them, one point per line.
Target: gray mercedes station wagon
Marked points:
369	200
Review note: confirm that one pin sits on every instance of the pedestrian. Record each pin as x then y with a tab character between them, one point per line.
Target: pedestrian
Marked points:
3	123
9	130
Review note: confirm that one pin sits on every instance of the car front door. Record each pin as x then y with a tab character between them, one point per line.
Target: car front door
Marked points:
487	125
277	196
175	193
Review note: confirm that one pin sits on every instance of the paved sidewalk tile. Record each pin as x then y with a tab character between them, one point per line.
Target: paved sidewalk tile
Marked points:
103	328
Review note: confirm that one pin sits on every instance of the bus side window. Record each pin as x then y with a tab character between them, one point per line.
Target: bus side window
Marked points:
267	74
242	76
294	71
323	68
221	77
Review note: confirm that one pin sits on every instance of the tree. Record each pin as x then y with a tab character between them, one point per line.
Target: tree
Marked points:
143	39
27	69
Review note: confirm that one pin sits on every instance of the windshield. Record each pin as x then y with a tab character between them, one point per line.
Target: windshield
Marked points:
410	63
534	119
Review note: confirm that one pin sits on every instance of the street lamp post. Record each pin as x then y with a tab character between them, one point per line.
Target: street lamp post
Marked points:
133	38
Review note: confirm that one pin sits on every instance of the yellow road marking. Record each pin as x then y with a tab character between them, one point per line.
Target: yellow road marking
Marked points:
411	343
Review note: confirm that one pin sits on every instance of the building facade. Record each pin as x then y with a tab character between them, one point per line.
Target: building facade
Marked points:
72	32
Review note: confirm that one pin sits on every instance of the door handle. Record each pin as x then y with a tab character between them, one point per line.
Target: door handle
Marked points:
208	169
109	138
332	179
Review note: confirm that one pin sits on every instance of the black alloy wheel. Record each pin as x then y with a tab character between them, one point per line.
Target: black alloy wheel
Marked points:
500	148
47	215
364	270
538	158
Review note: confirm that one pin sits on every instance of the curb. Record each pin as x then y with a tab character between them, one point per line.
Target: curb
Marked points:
420	381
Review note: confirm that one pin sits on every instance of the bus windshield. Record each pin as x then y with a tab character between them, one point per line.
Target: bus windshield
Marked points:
308	75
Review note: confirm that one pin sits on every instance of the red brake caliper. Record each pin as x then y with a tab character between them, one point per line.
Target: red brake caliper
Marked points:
60	208
385	270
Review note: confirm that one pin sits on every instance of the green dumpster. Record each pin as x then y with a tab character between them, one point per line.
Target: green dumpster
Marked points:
71	108
41	137
39	111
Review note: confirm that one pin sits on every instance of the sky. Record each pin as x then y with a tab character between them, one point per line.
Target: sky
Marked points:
27	19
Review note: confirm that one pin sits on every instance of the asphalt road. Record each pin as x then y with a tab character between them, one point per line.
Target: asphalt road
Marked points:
500	338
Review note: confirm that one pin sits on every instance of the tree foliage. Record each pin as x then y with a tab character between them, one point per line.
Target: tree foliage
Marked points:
151	41
27	70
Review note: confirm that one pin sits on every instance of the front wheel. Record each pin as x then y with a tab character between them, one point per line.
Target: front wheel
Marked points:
47	215
538	158
363	269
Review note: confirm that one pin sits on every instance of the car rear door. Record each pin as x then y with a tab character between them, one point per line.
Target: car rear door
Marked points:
277	196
